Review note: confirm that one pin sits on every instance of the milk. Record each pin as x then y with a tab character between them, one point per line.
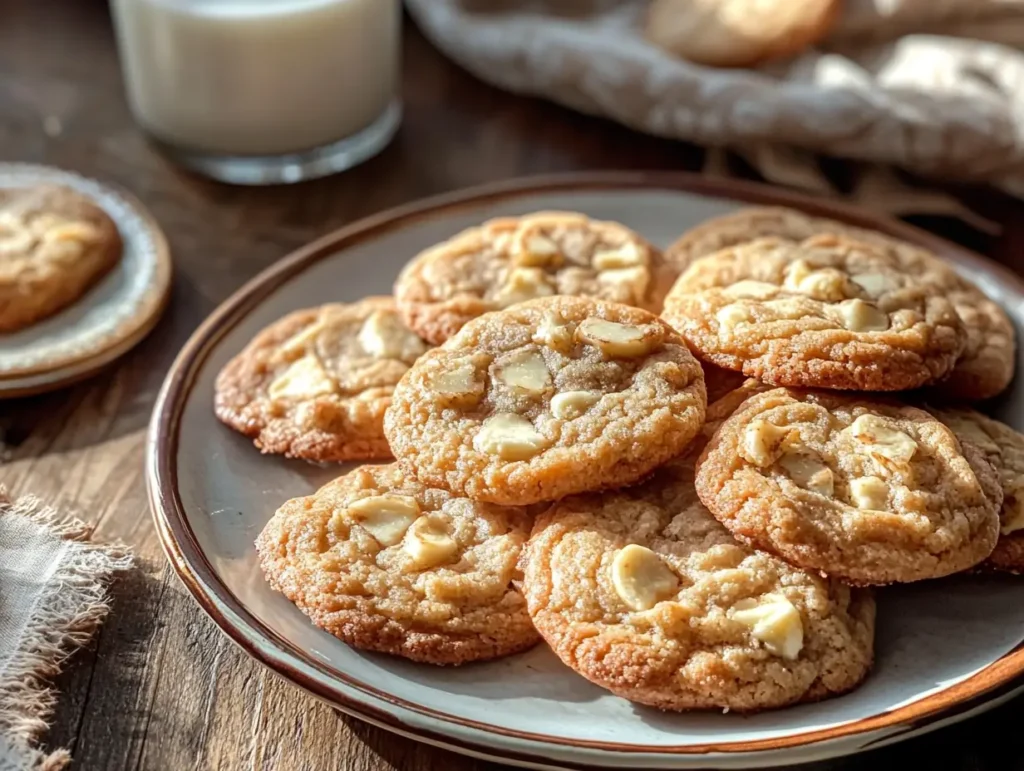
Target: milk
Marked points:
258	77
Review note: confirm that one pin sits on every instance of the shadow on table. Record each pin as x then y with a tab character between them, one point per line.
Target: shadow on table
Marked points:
399	752
113	403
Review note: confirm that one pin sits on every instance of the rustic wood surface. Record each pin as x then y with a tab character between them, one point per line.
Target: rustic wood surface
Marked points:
161	688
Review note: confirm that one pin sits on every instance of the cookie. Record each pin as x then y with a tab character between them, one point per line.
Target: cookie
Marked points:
738	33
642	592
509	260
547	398
984	369
1004	449
745	225
55	243
316	383
872	492
388	565
827	313
986	366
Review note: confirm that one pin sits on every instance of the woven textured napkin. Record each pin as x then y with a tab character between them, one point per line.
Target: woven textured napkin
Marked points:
934	86
52	599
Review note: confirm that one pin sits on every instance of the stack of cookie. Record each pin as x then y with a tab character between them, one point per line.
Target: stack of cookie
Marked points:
864	488
559	474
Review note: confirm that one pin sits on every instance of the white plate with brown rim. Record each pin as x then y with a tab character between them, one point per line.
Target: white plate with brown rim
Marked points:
945	649
111	317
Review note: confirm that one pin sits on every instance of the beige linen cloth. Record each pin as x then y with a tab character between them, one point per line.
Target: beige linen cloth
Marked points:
52	599
933	86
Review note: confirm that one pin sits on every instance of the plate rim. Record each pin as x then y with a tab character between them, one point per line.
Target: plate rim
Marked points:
197	574
51	380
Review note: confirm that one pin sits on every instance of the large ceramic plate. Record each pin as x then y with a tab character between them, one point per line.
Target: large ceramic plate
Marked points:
946	649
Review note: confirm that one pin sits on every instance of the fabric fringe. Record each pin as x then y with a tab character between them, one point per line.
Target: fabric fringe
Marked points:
65	619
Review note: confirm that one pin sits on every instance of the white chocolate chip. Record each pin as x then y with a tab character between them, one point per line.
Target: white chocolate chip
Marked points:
524	284
859	316
537	250
526	371
732	315
629	283
304	379
428	545
627	255
787	308
306	415
81	232
874	284
539	244
869	493
826	284
461	383
796	272
384	336
809	472
572	404
641	578
620	340
775	621
748	289
762	441
555	333
510	437
880	439
300	341
385	517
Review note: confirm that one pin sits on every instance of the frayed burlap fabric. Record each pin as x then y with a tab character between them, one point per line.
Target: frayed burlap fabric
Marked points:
52	599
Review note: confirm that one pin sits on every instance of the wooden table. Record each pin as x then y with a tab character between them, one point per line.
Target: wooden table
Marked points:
161	688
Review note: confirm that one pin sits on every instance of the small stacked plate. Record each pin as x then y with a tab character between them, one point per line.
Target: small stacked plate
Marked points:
111	317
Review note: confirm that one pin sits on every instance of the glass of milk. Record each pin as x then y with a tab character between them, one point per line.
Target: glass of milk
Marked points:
263	91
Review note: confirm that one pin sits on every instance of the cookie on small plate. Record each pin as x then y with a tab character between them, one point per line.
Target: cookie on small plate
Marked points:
642	592
547	398
869	491
512	259
1004	449
55	243
738	33
388	565
984	369
827	313
316	383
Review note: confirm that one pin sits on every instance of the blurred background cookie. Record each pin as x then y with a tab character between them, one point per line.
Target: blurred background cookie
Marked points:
54	244
738	33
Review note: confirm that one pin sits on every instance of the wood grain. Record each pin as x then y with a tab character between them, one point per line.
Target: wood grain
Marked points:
161	688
